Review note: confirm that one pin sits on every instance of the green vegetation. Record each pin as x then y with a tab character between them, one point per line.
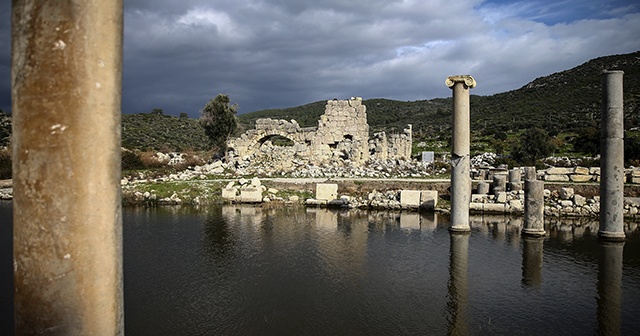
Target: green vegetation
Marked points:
534	144
159	132
219	120
565	104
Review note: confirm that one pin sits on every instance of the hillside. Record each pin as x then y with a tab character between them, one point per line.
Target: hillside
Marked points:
561	102
156	131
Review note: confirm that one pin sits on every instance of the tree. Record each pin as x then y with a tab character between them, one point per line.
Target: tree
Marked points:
534	144
218	118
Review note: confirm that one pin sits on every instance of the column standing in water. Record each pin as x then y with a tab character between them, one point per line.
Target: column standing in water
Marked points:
460	147
67	231
533	204
612	158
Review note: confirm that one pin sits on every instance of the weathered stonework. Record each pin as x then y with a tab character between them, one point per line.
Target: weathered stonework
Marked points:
342	135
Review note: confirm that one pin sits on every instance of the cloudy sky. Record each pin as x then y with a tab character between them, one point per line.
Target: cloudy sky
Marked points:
283	53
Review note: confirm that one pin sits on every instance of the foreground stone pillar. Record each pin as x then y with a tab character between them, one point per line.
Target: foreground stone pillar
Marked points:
612	158
610	288
533	204
460	147
66	83
458	285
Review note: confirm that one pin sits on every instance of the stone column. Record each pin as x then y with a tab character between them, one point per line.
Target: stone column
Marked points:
515	175
610	288
499	183
532	261
458	285
612	158
66	84
533	204
460	161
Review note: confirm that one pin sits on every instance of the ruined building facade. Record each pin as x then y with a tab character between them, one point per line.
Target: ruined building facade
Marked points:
342	136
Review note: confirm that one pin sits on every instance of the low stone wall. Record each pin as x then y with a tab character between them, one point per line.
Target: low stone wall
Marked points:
584	174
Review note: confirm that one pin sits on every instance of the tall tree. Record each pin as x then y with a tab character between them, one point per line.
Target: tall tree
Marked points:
218	118
534	144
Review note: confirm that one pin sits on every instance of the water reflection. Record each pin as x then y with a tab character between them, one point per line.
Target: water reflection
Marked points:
609	288
247	270
532	261
458	292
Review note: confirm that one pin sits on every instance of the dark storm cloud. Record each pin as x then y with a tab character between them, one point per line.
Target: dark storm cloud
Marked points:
282	53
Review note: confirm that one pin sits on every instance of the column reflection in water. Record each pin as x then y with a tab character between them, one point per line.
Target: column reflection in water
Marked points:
532	261
458	292
609	288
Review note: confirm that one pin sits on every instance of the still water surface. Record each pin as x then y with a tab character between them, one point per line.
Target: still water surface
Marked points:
293	271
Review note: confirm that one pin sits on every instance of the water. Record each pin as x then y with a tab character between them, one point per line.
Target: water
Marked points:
290	271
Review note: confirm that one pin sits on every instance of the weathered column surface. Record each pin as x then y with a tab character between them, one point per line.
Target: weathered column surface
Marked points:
460	161
533	204
66	83
610	287
612	158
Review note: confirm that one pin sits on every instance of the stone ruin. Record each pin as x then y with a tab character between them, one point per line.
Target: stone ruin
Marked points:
342	136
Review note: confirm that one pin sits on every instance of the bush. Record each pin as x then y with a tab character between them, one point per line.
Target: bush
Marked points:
131	161
5	164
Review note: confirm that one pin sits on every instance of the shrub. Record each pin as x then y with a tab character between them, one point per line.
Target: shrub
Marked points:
5	164
131	161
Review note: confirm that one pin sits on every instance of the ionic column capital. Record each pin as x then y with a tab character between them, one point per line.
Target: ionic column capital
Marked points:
466	79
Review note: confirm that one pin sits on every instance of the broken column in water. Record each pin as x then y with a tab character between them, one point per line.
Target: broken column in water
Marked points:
533	204
66	84
460	147
612	158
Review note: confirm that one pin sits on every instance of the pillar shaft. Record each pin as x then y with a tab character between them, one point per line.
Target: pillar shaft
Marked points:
533	208
460	147
66	83
612	158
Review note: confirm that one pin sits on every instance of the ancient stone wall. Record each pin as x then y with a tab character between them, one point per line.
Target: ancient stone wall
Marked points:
342	135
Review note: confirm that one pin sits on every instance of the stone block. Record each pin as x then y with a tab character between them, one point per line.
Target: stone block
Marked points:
635	173
566	193
229	193
410	198
594	170
516	206
559	171
482	188
501	197
494	207
580	178
566	203
515	186
635	180
581	170
579	200
429	199
556	178
251	195
476	206
477	198
326	191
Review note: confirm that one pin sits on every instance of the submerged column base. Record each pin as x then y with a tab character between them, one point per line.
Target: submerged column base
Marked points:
533	232
611	236
460	229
